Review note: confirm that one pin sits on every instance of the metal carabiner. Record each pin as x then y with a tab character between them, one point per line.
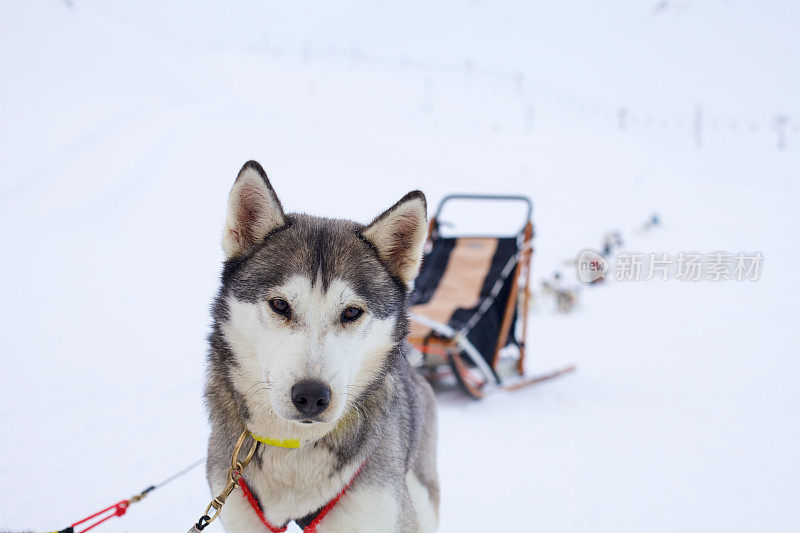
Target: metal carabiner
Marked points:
234	474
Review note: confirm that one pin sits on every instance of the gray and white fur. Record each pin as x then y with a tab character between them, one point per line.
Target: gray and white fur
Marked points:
308	343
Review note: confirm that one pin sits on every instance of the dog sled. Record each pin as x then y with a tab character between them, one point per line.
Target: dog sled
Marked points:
469	306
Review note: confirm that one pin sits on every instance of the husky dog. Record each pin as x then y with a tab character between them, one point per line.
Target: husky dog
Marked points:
308	355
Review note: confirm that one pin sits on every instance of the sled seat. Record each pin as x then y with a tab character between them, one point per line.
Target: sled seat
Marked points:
457	287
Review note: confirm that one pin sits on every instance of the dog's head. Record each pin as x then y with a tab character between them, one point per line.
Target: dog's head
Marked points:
310	308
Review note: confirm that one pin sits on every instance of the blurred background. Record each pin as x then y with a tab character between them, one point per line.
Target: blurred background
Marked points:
122	127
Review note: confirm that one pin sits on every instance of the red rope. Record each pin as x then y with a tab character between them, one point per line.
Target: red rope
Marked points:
310	528
434	350
257	508
118	509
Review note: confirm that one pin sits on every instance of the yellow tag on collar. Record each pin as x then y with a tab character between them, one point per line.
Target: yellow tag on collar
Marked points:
280	443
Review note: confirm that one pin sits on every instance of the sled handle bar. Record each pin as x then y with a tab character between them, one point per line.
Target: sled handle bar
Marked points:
490	197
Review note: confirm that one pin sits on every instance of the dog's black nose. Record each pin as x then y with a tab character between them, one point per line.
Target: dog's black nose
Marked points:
311	397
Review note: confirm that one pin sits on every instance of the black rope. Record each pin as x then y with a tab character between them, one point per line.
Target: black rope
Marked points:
203	522
175	476
171	478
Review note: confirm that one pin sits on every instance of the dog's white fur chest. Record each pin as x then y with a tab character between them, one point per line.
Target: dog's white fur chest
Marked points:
290	484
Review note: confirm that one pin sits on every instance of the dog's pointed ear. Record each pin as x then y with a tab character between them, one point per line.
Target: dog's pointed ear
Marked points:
399	235
254	211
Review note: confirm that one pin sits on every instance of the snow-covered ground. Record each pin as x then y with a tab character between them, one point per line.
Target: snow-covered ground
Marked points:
122	128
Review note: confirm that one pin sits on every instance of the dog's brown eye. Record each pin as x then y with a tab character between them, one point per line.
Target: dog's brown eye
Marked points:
281	307
351	313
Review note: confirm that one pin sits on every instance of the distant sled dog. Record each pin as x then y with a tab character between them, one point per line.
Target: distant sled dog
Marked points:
307	353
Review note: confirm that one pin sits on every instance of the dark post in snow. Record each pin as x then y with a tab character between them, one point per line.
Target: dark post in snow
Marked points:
469	68
519	83
622	118
698	125
781	123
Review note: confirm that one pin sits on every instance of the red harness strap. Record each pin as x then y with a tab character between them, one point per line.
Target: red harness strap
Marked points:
257	508
311	527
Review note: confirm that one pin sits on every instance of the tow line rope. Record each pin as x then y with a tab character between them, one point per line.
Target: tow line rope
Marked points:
121	507
212	511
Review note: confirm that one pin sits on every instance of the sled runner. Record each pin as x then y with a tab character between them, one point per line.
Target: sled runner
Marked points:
471	295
